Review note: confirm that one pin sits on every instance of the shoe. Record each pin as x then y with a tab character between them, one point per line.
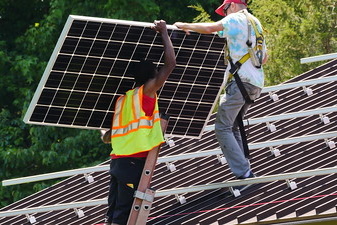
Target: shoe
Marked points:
251	175
244	187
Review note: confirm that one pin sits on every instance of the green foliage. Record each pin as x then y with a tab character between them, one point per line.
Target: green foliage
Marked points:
296	29
281	37
132	10
203	17
16	16
173	11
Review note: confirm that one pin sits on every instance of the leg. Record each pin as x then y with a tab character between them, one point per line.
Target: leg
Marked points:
227	131
128	172
113	188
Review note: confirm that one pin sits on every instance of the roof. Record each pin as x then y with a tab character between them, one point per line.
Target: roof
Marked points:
264	203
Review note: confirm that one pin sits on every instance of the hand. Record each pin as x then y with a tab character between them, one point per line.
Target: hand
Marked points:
106	136
182	26
160	26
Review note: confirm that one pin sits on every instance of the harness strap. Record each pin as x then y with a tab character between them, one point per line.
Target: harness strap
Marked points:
249	42
239	121
234	73
256	52
251	22
239	63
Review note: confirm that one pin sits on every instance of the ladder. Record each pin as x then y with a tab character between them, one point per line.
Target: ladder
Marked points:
144	196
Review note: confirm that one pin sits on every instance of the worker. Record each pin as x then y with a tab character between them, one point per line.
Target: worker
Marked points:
246	49
136	130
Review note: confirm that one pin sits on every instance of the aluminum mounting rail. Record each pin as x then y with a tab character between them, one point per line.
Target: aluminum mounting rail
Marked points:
248	181
298	84
268	144
49	176
177	191
284	116
318	58
48	208
165	159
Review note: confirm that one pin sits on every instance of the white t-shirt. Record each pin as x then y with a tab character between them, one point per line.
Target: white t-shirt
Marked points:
235	29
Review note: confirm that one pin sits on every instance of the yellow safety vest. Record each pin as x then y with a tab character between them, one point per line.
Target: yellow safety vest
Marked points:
132	132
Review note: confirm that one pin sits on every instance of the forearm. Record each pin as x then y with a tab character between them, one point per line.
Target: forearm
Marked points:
202	28
169	55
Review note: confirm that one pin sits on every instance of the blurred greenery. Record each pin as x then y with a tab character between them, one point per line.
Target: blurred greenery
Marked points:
29	30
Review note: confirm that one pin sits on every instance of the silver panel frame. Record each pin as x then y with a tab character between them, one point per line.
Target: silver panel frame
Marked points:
53	58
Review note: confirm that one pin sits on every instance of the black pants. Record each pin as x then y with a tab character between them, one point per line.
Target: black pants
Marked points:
125	175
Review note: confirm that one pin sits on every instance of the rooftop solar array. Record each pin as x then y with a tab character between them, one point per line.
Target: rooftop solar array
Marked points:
315	197
90	68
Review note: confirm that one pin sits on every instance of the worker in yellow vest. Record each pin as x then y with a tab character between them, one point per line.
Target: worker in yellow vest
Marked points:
136	130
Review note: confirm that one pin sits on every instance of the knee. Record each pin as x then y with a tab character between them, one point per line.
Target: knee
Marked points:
219	127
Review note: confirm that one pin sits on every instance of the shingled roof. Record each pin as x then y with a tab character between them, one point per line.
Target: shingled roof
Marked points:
265	203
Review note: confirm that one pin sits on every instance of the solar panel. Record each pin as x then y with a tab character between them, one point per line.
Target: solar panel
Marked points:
90	68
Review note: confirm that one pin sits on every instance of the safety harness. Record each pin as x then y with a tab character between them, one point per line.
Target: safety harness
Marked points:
256	56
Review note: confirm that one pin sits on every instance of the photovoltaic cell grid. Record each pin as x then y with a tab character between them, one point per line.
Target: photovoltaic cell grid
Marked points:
90	68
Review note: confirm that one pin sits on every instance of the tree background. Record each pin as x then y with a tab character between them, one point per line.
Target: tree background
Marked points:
29	30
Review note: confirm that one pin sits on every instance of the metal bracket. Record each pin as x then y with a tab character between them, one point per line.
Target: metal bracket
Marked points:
170	142
145	196
79	212
181	199
273	96
307	91
271	127
330	144
171	167
31	219
324	119
275	152
89	178
222	159
291	184
235	192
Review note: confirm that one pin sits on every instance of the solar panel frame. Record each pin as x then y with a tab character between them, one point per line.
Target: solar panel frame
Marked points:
79	78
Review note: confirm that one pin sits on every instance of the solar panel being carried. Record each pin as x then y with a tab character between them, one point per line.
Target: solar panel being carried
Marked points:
90	68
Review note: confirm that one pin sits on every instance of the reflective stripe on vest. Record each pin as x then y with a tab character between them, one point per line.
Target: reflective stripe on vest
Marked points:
132	131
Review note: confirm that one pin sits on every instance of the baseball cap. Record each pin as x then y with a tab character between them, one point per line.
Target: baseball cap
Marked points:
220	11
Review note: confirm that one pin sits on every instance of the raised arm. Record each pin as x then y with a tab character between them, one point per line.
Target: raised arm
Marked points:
202	28
153	85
